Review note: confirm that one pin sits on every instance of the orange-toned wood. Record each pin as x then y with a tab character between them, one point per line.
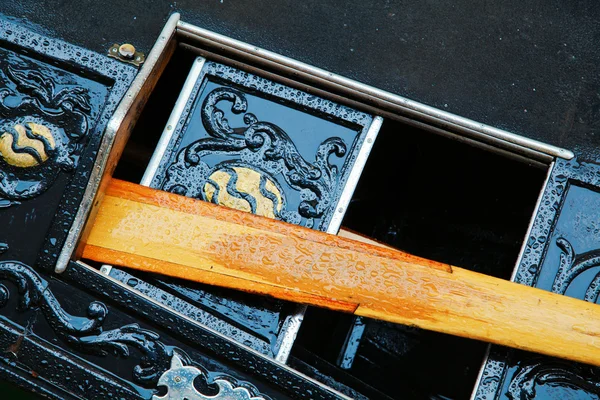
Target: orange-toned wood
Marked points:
142	228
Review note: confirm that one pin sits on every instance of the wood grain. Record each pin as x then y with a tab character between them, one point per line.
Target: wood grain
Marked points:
160	232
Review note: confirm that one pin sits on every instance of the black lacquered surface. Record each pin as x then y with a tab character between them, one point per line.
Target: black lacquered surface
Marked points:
249	143
55	100
527	66
253	144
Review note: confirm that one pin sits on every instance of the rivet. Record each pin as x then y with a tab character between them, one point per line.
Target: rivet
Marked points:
177	379
127	50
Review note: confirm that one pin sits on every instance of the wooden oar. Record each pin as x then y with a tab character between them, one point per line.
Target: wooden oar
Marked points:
160	232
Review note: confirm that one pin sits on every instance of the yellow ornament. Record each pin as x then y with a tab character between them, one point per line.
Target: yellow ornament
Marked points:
18	157
248	183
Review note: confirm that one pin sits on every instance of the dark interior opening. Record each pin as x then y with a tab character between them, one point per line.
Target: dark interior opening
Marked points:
443	200
421	193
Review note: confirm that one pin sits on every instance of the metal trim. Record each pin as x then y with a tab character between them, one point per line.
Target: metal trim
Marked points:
367	93
114	124
167	134
480	374
505	149
357	168
288	333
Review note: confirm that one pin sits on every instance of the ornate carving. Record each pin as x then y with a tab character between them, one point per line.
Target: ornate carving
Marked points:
179	380
257	144
543	372
572	265
85	333
41	128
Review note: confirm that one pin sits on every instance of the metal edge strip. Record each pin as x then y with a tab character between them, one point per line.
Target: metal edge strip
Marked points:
506	149
354	176
516	268
212	331
288	333
371	93
112	127
480	374
174	118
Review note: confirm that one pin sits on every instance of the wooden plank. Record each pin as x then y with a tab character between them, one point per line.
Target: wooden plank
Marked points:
160	232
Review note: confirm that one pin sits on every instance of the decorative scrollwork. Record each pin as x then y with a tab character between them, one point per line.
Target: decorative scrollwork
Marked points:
572	265
179	381
41	128
85	333
529	376
261	147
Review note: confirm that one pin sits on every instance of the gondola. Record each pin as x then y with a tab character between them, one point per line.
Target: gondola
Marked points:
186	110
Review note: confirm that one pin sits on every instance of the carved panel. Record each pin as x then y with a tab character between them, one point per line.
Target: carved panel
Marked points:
52	115
255	145
252	144
562	255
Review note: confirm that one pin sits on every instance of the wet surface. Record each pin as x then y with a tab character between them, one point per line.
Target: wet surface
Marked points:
258	146
529	66
34	176
441	196
55	100
445	201
295	125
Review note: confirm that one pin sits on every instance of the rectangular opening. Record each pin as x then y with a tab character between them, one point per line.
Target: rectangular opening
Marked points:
419	192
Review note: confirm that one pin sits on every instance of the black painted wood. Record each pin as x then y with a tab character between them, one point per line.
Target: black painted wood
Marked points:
527	66
55	100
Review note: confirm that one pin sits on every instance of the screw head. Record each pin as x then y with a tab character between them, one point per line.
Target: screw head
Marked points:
127	50
177	379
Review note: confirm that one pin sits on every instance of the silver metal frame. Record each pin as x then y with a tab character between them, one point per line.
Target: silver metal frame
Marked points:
112	127
355	172
167	134
451	124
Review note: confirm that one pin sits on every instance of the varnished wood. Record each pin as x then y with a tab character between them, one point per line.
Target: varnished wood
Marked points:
154	231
